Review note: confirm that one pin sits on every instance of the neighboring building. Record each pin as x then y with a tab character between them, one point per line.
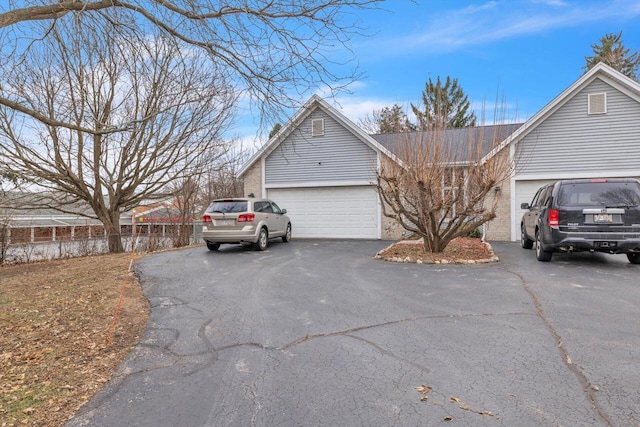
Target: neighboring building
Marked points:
47	225
321	167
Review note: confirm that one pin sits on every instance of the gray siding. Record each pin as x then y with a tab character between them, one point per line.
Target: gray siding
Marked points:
571	141
335	156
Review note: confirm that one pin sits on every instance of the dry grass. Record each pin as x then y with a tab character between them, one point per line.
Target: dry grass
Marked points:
56	317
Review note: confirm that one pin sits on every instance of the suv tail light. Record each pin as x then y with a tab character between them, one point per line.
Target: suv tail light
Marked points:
554	218
246	217
206	218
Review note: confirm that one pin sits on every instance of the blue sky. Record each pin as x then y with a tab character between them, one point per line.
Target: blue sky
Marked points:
522	52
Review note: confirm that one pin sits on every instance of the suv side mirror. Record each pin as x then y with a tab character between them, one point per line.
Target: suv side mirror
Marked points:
283	211
524	206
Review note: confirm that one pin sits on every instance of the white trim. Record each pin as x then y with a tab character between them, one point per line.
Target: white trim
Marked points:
514	222
576	175
263	178
359	183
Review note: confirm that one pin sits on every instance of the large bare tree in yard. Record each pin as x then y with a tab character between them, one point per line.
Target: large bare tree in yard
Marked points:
110	122
441	185
274	50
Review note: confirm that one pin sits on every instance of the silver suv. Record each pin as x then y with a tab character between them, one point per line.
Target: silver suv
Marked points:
252	221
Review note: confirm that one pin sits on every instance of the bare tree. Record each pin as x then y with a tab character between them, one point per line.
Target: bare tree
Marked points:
273	50
186	193
116	124
221	178
387	120
441	186
5	228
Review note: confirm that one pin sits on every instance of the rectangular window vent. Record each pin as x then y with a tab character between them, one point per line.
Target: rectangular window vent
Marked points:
597	103
317	127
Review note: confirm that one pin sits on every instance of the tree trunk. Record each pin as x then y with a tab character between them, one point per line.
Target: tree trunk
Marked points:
434	244
114	238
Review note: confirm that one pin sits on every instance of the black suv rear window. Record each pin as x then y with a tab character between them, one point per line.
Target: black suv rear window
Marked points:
228	206
609	194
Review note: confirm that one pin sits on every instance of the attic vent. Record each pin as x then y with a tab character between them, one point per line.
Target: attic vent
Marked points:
597	103
317	127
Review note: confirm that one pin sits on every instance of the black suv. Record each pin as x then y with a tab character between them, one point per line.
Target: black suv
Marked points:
595	215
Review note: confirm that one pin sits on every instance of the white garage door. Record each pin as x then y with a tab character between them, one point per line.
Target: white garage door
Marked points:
330	212
525	190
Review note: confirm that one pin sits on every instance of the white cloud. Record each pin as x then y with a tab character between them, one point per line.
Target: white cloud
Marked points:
498	20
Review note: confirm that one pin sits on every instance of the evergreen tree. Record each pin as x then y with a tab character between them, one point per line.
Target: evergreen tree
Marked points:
275	130
445	106
612	52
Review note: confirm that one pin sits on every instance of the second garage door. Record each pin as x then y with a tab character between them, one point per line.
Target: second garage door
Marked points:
330	212
525	190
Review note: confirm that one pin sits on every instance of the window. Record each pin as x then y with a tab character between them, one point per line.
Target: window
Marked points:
597	103
317	127
599	194
453	189
537	197
227	206
275	208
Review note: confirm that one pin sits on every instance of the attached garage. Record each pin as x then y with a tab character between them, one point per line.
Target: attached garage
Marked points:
330	212
321	167
524	192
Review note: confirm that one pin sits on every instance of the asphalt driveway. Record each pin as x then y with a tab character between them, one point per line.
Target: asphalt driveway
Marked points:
317	333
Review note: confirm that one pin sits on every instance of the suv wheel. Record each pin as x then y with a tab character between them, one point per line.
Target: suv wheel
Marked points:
213	246
287	234
541	254
263	240
526	242
634	258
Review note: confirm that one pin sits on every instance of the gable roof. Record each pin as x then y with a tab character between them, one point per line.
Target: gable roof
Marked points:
601	71
315	102
456	140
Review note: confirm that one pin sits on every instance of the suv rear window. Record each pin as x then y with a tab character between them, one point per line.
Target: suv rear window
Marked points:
228	206
609	194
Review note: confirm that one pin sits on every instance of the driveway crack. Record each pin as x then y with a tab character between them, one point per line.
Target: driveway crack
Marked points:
346	332
564	352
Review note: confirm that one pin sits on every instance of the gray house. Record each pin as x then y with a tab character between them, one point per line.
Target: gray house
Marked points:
321	167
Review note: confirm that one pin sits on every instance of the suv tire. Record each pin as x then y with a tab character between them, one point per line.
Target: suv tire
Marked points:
541	254
213	246
634	257
287	234
263	240
526	242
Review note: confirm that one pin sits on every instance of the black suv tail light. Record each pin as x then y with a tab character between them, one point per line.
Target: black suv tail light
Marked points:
554	218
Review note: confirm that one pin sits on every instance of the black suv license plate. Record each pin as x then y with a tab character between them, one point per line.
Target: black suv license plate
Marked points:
607	245
602	218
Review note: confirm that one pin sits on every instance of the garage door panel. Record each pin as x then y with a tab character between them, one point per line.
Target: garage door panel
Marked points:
525	190
330	212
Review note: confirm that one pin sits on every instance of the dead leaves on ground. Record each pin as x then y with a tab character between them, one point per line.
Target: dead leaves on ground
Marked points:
55	357
424	391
